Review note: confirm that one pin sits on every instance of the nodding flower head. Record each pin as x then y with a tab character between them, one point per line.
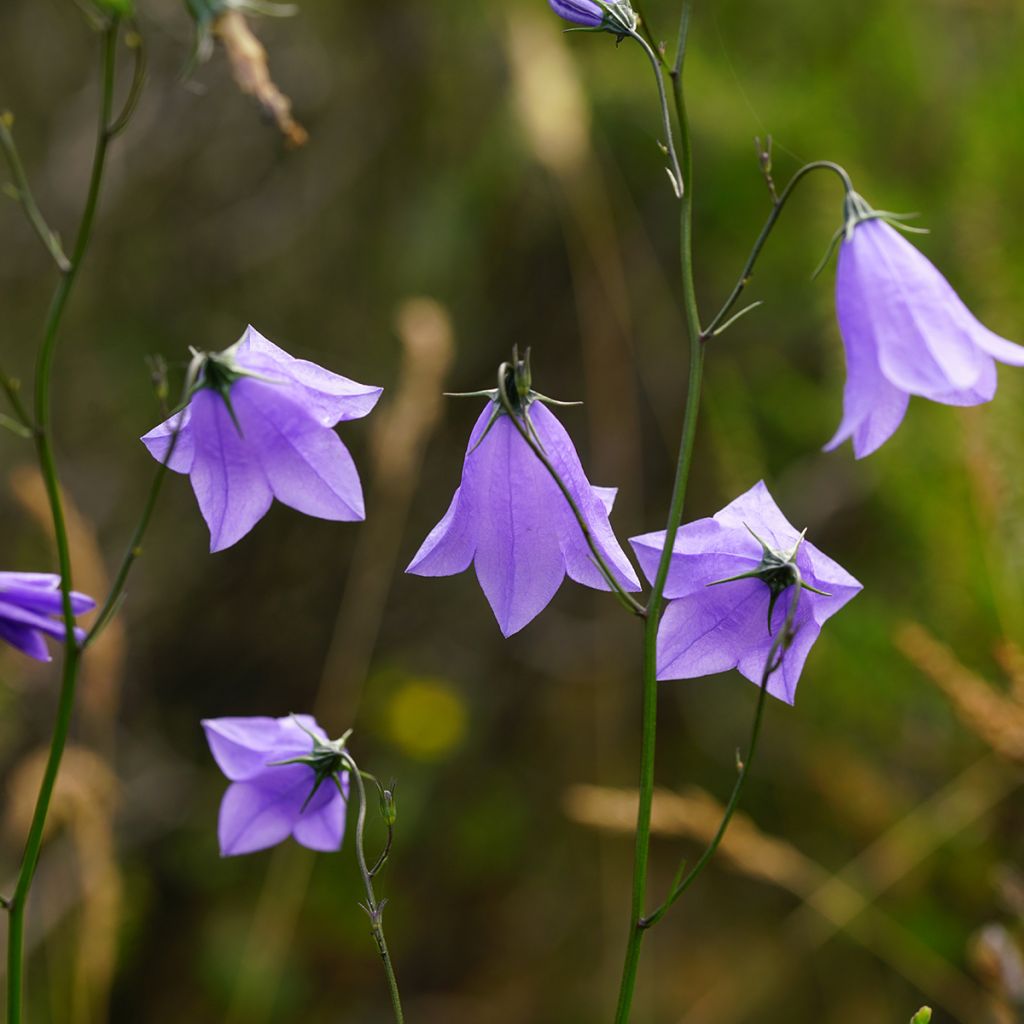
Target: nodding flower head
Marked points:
905	331
287	779
31	608
723	590
616	16
510	519
258	426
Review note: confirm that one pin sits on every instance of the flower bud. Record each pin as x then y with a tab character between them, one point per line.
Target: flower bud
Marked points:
581	12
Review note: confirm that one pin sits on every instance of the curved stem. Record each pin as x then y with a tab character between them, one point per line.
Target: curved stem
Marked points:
48	469
373	909
675	174
769	224
525	432
641	854
771	665
114	597
24	196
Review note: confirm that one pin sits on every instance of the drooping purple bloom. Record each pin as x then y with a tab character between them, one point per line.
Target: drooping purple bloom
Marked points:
259	427
712	628
905	332
266	802
509	518
31	607
581	12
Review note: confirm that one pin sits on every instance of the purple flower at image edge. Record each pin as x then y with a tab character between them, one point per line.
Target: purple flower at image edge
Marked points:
31	608
274	440
905	332
710	629
266	803
511	521
581	12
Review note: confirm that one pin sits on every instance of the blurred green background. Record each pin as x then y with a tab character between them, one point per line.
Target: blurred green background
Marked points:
475	179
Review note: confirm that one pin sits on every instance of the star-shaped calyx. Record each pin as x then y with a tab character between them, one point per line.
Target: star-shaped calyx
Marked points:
777	569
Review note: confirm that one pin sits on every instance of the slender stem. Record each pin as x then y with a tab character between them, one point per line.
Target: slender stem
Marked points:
48	469
374	909
134	550
24	196
771	665
675	174
641	854
624	596
769	224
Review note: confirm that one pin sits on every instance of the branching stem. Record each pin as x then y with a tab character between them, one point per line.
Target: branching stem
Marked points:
373	908
48	470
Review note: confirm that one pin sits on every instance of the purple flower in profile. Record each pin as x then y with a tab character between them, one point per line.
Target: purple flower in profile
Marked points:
31	607
581	12
509	518
905	332
259	427
267	802
714	622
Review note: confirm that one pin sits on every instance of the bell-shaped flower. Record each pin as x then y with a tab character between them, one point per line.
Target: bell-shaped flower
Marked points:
258	427
905	332
581	12
509	518
616	16
31	608
729	591
285	778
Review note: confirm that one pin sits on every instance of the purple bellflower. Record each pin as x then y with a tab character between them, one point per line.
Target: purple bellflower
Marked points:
29	602
258	427
616	16
510	520
729	589
282	773
581	12
905	332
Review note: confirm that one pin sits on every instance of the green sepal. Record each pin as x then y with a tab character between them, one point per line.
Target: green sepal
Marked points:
777	570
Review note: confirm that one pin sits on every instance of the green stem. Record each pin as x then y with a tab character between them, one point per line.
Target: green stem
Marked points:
48	469
777	206
24	196
626	598
373	908
771	665
113	601
641	854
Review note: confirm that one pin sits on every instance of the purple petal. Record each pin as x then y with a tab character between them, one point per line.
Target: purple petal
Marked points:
900	303
782	683
518	558
256	815
450	545
322	825
158	441
709	632
41	592
25	639
330	397
704	551
242	747
304	462
872	407
228	481
23	616
607	496
594	506
999	348
581	12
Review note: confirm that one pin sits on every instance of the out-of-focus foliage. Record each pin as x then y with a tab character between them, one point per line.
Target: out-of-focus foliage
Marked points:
475	154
